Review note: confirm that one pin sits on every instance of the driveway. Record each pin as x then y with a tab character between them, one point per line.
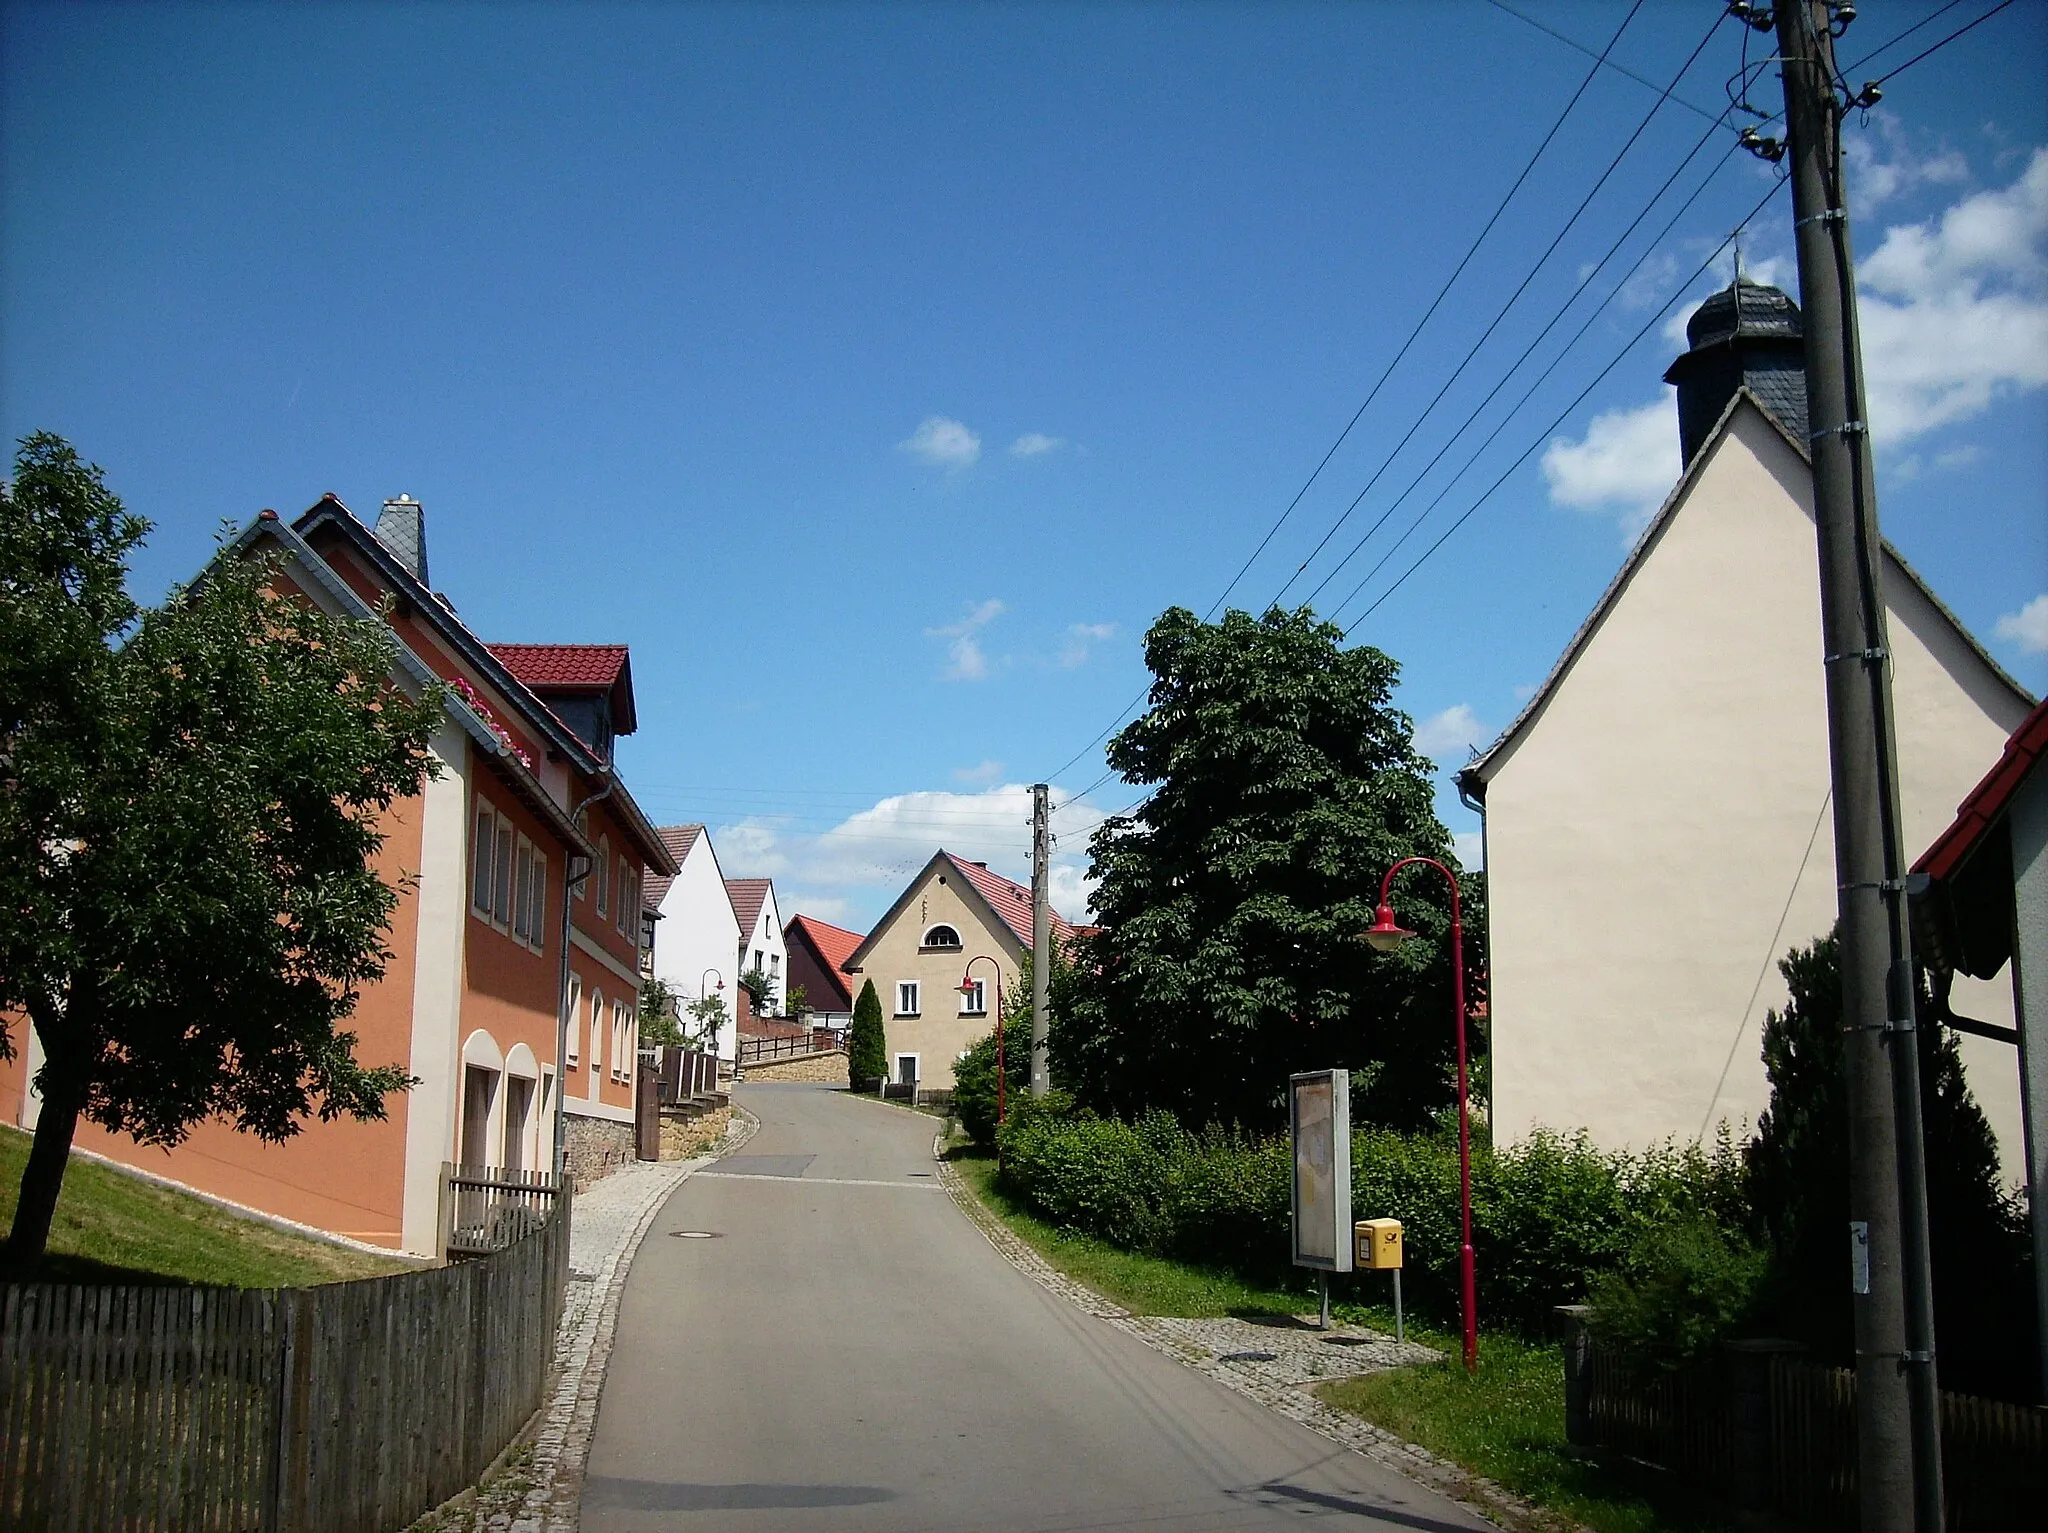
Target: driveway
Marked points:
848	1352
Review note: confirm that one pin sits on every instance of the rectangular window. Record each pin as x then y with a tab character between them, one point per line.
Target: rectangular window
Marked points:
501	905
604	877
626	900
482	851
974	1000
537	921
522	890
906	1069
596	1032
907	997
575	1028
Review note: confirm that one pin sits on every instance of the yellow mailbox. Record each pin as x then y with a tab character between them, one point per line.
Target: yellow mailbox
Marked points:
1377	1243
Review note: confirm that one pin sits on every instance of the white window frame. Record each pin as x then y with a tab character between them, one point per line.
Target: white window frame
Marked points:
575	1029
604	875
511	872
482	859
916	1063
596	1032
625	901
913	991
975	1005
958	944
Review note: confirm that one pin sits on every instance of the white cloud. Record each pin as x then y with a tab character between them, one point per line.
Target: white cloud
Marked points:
1036	444
1883	163
2028	627
986	771
1626	463
965	661
1955	309
943	442
868	857
1080	637
1450	733
1959	457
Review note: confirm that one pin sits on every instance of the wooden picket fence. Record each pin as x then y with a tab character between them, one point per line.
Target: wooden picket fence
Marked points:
345	1408
1994	1454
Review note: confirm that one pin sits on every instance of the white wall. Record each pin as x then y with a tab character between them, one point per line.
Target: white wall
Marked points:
767	940
1660	834
697	932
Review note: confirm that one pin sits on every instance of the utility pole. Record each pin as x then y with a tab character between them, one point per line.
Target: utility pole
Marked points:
1897	1404
1041	933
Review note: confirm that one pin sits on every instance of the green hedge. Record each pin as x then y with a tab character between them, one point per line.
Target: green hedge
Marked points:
1549	1215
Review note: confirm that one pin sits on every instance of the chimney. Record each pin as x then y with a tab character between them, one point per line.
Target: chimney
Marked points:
402	528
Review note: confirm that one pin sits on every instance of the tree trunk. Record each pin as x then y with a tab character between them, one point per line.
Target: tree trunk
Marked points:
43	1178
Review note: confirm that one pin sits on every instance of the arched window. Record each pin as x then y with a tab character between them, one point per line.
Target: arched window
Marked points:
941	936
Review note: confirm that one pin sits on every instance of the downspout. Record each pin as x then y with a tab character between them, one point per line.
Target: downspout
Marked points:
569	884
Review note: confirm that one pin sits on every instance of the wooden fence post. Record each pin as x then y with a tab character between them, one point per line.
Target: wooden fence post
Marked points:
1578	1374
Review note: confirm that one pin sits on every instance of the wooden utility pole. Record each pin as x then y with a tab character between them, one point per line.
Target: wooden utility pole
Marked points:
1041	933
1897	1404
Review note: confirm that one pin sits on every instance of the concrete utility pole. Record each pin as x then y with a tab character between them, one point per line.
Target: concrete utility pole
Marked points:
1041	933
1897	1405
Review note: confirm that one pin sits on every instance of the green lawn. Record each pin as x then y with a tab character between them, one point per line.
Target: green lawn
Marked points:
1506	1423
112	1228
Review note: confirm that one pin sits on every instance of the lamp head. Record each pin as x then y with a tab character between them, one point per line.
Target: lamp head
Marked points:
1384	934
966	986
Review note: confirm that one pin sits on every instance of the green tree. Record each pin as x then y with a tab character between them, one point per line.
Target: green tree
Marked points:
796	1003
1799	1188
190	799
659	1025
867	1047
708	1012
1284	783
760	990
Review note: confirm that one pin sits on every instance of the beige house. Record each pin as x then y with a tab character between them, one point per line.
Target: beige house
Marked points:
1657	821
952	913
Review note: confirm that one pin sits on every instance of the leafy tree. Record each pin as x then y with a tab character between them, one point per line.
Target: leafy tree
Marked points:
708	1012
867	1047
190	802
1799	1181
760	990
796	1003
659	1025
1284	784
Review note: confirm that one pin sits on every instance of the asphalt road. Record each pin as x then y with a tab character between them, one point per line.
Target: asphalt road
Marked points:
849	1353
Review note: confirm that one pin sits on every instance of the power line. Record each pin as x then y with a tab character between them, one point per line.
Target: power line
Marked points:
1515	297
1886	47
1427	314
1924	52
1562	416
1385	374
1573	42
1555	362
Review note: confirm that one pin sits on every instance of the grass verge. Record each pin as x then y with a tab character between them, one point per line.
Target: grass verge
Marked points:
1506	1423
111	1228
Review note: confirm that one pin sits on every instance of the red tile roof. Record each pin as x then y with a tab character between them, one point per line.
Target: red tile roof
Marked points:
748	896
678	839
1986	802
835	944
560	667
1010	901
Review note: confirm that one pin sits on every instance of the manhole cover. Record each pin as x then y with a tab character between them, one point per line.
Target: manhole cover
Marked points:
1248	1357
696	1234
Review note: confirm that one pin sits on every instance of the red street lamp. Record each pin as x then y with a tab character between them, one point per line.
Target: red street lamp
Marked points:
967	988
1385	935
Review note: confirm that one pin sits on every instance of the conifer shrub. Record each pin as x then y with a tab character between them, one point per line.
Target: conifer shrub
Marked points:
867	1045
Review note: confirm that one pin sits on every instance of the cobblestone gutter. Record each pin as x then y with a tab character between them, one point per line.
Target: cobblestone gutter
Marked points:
1275	1365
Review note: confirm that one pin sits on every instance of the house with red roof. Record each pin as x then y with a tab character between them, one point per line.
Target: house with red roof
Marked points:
760	946
817	949
695	934
511	990
953	912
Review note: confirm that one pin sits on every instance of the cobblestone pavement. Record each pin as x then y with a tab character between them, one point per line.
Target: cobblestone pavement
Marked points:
1281	1379
608	1224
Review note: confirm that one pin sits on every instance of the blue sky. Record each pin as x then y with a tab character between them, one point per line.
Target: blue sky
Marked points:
879	372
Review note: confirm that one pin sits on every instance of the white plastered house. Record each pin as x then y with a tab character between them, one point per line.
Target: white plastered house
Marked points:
761	944
1657	821
696	933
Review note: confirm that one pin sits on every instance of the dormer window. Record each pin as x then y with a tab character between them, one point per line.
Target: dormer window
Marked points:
941	937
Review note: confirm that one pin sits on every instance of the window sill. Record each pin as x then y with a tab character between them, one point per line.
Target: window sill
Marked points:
905	1016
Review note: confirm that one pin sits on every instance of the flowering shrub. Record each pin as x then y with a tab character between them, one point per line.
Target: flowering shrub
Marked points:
482	710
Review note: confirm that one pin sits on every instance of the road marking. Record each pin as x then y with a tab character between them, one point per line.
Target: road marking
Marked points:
818	1181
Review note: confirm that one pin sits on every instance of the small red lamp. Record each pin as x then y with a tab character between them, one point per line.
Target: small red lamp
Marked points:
1384	935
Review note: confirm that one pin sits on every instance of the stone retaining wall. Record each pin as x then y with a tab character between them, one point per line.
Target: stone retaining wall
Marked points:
593	1148
829	1068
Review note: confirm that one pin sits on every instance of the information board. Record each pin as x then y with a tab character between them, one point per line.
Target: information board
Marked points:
1319	1114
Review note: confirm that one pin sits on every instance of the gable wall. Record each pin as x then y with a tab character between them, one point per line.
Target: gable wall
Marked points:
697	932
1646	833
939	1035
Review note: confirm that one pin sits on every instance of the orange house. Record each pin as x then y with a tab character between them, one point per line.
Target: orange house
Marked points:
513	982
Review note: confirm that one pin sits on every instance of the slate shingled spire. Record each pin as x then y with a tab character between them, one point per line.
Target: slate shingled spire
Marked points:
402	528
1746	334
